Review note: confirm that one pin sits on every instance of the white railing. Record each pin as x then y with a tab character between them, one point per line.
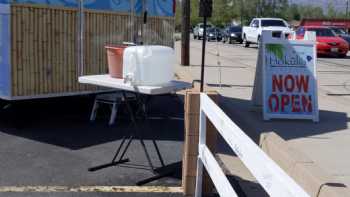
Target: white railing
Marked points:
271	177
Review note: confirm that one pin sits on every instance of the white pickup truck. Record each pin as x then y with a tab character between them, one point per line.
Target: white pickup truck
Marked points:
252	33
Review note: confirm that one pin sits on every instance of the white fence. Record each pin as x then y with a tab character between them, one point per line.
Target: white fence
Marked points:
272	178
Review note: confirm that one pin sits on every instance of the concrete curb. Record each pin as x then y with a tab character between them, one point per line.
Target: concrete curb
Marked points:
302	169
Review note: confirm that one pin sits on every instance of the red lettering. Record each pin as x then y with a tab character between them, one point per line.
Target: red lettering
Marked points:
306	102
302	83
284	101
290	103
289	83
273	103
295	103
277	83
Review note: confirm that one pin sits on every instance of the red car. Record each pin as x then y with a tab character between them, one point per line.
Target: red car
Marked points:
328	43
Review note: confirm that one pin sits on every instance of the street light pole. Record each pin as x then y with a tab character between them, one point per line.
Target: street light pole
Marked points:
203	52
205	11
185	32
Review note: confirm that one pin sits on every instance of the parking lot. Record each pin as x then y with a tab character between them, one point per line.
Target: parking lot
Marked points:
333	73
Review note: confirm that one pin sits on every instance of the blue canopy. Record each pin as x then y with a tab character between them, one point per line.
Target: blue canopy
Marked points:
154	7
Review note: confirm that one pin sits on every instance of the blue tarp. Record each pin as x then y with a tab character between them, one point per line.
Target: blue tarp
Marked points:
154	7
5	48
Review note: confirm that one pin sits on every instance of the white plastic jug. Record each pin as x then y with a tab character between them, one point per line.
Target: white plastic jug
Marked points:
148	65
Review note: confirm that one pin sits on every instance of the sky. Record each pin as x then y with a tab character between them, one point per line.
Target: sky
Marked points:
339	5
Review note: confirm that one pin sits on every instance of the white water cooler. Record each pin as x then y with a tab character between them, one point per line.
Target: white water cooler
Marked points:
148	65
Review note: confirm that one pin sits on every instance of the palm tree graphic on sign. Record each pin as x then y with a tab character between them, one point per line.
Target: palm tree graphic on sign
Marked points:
276	49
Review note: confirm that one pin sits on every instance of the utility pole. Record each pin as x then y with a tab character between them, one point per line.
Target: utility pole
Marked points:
185	32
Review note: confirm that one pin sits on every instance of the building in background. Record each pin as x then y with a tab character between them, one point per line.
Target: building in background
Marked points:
344	23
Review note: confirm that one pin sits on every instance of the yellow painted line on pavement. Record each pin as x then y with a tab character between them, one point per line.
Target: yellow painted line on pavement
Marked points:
107	189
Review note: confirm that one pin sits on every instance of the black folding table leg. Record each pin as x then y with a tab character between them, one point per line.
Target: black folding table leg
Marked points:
119	148
147	154
128	107
133	119
137	134
127	147
114	162
93	169
158	152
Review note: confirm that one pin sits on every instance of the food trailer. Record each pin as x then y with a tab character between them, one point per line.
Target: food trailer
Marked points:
47	44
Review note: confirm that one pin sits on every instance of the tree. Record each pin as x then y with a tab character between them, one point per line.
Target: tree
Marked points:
331	12
222	12
274	8
309	11
178	16
293	13
195	12
251	9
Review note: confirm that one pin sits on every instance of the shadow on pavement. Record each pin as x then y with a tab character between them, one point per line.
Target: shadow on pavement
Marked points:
245	188
52	142
65	122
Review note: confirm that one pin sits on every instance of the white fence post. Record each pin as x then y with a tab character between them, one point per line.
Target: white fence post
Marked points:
202	140
199	179
271	177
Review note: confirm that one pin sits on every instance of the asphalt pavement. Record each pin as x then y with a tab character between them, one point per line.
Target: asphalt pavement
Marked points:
50	142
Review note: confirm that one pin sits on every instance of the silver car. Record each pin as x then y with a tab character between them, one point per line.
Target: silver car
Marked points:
198	30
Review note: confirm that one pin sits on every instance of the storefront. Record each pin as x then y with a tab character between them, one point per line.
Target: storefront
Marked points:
344	23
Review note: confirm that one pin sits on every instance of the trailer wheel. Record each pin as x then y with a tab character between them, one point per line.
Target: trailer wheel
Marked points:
4	104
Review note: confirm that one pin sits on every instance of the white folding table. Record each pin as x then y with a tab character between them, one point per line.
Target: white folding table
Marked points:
109	82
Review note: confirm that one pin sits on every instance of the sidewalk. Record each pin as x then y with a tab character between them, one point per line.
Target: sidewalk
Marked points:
326	143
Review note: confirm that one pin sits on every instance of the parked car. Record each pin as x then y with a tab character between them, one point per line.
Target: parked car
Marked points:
252	33
214	34
232	33
328	43
342	33
198	30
